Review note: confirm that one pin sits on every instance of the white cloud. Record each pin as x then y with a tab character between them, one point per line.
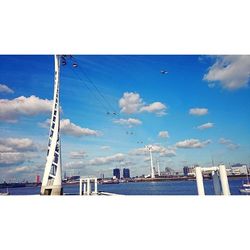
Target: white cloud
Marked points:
163	134
105	147
78	154
205	126
15	151
69	128
233	146
231	71
228	143
5	89
224	141
198	111
98	165
155	107
18	170
11	158
11	110
17	144
147	158
107	159
75	165
192	143
130	122
4	148
163	151
132	103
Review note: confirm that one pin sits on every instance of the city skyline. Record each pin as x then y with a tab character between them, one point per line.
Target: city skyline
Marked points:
192	109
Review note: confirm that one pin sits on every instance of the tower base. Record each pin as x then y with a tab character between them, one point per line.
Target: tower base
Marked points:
52	190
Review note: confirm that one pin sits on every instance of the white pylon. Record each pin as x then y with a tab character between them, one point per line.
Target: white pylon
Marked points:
52	178
199	181
151	160
224	180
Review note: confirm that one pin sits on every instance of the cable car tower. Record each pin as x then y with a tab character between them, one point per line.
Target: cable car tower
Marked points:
52	178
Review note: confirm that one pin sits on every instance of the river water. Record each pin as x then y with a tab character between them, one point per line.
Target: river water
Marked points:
142	188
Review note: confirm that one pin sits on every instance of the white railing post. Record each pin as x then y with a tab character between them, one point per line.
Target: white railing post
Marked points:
199	181
80	186
224	180
88	187
95	185
84	187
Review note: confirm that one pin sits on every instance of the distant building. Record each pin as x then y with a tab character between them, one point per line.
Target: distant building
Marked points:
38	180
185	170
126	173
116	173
189	171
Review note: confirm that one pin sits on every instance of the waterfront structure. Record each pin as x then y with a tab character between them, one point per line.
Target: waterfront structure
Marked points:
52	178
239	169
219	176
116	173
152	175
85	186
126	173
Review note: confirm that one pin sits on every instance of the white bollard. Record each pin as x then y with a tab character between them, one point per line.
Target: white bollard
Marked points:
88	187
224	180
216	183
95	185
80	187
199	181
84	188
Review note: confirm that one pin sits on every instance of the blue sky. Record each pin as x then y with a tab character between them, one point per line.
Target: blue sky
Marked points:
201	106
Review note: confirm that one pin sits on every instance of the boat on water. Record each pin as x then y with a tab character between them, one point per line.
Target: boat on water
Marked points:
109	182
245	188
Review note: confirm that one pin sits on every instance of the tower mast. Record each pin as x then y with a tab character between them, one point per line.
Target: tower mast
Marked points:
52	178
151	162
